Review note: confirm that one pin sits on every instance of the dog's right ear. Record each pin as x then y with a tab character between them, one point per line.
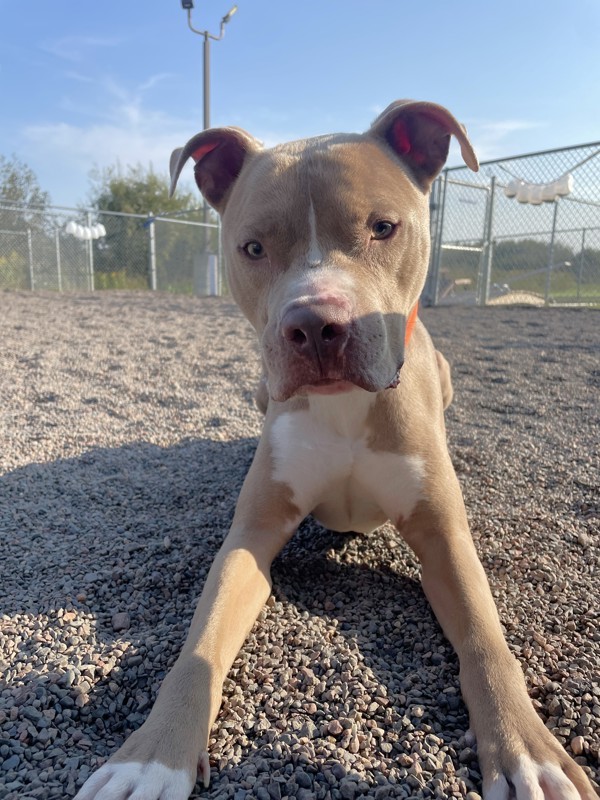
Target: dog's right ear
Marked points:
219	154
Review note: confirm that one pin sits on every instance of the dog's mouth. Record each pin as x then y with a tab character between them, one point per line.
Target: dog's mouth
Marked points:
396	380
329	386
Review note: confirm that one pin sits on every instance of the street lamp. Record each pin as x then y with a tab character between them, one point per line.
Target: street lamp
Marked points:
188	5
211	264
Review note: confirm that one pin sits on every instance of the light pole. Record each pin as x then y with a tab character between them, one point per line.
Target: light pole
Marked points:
188	5
211	266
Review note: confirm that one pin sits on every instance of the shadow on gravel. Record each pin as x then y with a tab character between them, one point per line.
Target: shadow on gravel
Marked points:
93	525
132	532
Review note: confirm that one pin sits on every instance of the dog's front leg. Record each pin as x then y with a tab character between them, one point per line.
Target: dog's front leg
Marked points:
160	760
518	756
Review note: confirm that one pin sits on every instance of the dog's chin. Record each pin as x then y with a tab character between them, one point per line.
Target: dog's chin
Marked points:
327	386
334	386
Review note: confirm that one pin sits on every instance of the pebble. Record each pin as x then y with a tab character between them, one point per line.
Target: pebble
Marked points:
11	763
309	729
339	771
32	713
577	745
302	779
120	621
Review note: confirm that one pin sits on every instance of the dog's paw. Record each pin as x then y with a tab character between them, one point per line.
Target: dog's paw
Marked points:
136	781
536	768
535	781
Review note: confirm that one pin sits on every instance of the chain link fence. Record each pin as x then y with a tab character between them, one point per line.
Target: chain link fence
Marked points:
69	249
522	229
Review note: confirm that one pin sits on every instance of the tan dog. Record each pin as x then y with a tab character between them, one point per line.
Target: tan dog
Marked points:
327	245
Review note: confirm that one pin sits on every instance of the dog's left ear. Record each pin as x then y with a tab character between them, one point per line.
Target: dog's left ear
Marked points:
420	133
219	155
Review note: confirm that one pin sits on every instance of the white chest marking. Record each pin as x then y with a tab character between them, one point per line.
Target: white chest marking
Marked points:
326	448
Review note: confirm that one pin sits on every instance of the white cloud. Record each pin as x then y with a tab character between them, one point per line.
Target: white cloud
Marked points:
103	143
77	76
491	139
114	125
154	79
76	48
119	126
501	128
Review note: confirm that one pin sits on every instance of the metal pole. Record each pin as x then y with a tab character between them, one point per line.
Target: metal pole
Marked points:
551	254
220	257
152	253
206	92
479	292
437	254
206	124
434	207
581	263
30	251
58	269
488	247
91	253
206	81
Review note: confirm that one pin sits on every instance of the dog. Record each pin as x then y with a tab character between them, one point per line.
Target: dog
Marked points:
327	246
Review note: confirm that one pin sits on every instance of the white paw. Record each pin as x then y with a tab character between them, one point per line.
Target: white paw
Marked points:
137	781
532	781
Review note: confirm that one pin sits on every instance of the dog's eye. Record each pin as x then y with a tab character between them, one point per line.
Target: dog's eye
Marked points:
382	229
254	250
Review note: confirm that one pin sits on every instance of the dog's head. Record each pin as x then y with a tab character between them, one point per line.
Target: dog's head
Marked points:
327	241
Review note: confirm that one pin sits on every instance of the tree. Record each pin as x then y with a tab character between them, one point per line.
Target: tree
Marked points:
137	190
19	188
587	265
528	254
23	222
123	254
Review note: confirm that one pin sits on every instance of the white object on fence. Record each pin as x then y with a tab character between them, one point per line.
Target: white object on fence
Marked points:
538	193
85	232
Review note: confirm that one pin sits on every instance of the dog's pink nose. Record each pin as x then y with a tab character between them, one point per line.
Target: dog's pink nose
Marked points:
317	329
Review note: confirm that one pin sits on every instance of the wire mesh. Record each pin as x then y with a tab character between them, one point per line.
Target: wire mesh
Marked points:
488	245
39	251
36	252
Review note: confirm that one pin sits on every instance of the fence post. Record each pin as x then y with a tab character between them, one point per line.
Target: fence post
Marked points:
30	252
581	263
434	204
152	252
487	252
482	290
58	265
220	255
91	253
437	243
551	254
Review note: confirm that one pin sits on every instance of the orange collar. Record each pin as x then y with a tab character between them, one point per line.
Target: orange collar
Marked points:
410	324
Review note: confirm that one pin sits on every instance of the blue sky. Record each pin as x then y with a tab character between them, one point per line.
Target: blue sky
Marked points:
87	84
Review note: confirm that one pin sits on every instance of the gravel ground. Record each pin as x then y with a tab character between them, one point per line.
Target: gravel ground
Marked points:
127	424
